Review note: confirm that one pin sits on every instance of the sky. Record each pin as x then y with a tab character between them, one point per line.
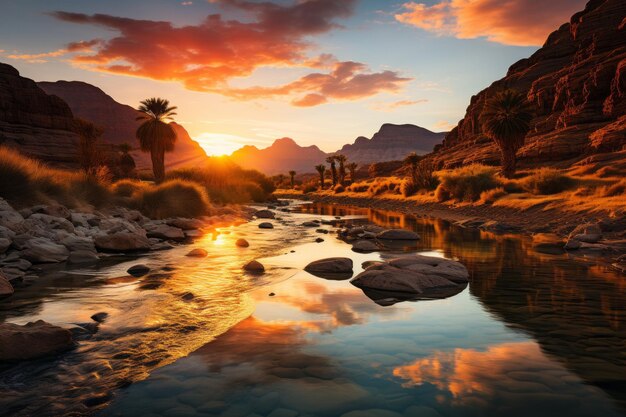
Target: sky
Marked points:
322	72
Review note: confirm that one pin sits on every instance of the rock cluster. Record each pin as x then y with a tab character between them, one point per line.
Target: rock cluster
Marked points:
52	233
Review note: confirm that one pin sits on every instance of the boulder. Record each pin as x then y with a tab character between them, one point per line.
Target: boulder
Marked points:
86	220
185	223
264	214
397	234
138	270
163	231
572	244
587	233
4	244
6	289
330	265
9	217
364	246
42	250
55	210
310	224
254	267
242	243
48	222
197	253
33	340
76	243
425	276
122	242
100	317
319	240
266	225
6	233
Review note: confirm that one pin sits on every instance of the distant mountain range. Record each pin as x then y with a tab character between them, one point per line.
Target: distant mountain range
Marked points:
391	142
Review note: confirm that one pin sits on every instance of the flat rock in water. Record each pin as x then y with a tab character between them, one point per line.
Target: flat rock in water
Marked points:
266	225
310	224
264	214
198	253
397	234
138	270
364	246
330	265
421	275
242	243
100	317
254	266
32	340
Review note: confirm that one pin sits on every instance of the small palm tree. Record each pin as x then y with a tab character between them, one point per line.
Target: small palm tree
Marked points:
292	174
88	153
333	169
321	169
126	161
506	120
280	178
352	166
342	168
155	135
412	161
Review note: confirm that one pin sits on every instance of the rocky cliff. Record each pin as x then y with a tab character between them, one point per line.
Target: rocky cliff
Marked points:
392	142
279	158
34	122
576	84
119	122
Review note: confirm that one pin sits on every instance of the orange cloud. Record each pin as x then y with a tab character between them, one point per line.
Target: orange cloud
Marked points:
38	58
397	104
509	22
205	57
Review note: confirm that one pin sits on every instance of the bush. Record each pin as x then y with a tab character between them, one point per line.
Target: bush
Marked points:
310	188
339	189
227	182
174	198
25	181
547	181
491	196
614	190
441	194
409	188
127	188
359	187
425	178
381	186
467	183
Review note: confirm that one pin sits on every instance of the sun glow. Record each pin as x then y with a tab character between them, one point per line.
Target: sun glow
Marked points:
220	144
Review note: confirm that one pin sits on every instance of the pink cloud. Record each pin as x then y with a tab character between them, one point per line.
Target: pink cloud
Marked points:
509	22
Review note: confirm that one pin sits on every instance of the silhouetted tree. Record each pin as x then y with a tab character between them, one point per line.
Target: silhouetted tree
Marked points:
126	162
352	166
412	161
155	135
506	120
321	169
342	169
333	169
292	174
89	156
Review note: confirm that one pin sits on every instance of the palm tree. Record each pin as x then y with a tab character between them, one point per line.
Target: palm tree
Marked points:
342	169
88	154
321	169
352	166
333	169
280	178
155	135
292	174
126	162
506	120
412	161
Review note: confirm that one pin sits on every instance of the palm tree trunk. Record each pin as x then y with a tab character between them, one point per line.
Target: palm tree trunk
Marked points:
333	172
509	163
158	164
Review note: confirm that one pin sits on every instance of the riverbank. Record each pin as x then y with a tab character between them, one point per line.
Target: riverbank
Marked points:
577	227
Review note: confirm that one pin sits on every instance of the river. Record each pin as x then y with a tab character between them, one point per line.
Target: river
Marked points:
533	334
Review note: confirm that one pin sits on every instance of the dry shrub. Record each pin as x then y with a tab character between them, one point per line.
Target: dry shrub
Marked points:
547	181
409	188
25	181
339	189
359	187
310	187
491	196
441	194
425	178
614	190
227	182
127	188
174	198
467	183
382	186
